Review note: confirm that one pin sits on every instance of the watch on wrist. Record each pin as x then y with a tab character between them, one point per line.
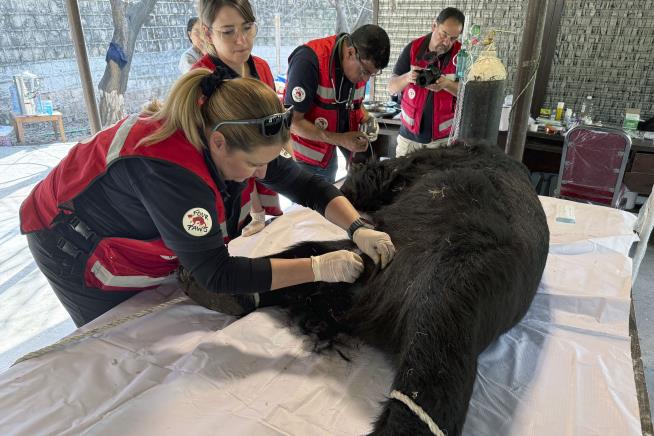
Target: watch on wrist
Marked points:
358	223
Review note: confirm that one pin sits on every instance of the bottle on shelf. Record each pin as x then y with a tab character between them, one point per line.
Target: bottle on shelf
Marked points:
559	111
586	113
47	104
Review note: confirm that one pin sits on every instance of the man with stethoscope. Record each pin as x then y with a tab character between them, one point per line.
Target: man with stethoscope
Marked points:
326	86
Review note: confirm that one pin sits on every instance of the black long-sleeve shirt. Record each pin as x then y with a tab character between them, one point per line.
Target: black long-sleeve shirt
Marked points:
144	198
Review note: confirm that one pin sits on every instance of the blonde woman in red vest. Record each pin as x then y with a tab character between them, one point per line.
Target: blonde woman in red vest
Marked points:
230	28
326	86
125	208
428	111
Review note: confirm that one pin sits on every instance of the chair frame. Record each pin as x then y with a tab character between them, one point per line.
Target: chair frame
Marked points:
643	228
623	165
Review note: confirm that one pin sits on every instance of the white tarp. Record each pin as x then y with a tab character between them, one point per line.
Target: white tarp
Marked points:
566	369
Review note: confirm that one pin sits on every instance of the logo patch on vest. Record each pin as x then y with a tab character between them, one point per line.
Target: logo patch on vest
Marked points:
298	94
321	123
412	93
197	222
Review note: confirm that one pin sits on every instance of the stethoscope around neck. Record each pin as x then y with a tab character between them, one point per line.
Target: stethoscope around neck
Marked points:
350	97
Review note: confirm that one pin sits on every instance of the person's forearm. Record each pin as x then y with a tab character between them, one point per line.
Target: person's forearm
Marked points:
290	272
398	83
306	129
452	87
341	212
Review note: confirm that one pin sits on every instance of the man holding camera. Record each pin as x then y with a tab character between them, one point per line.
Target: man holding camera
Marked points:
424	75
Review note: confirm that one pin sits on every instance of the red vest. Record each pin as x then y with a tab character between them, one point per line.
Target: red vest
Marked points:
414	97
269	198
263	70
323	112
120	263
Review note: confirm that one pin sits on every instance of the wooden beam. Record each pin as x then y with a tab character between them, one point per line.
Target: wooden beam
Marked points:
548	48
523	86
81	55
375	21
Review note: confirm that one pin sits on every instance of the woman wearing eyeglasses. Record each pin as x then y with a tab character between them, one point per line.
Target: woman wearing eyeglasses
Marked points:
230	28
126	207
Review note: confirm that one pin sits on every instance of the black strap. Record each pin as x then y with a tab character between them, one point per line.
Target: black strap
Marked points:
356	225
76	238
69	248
80	227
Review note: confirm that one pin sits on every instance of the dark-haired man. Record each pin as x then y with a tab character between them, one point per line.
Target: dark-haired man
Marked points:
326	86
428	111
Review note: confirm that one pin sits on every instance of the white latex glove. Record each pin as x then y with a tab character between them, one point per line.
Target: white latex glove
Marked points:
371	128
337	266
377	245
256	225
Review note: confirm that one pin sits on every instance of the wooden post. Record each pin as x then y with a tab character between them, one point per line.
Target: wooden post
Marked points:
523	87
375	21
77	33
552	25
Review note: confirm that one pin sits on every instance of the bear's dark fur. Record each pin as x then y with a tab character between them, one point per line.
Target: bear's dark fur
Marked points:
472	241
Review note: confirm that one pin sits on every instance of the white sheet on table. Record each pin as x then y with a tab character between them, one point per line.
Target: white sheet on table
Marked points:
565	369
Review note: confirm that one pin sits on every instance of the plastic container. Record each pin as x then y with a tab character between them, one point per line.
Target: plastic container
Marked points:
47	107
586	114
567	118
462	60
559	111
631	120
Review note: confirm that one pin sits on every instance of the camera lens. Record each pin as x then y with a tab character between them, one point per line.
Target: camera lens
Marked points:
423	78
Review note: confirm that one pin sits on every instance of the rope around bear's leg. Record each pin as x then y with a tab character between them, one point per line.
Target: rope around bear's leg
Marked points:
408	402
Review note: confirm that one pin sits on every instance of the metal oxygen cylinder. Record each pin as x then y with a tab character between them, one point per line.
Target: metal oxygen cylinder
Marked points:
481	95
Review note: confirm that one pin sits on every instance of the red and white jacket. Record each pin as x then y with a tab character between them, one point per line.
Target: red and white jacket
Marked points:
120	263
324	111
414	97
269	198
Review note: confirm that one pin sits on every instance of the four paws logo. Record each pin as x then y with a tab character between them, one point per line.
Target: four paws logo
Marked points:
197	222
321	123
298	94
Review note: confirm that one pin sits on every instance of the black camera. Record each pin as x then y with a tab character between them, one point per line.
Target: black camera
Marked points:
428	76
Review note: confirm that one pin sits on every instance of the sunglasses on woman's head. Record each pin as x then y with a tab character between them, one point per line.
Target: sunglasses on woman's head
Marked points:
268	126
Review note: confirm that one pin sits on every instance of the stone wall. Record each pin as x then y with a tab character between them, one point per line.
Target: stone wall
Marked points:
604	48
406	20
35	37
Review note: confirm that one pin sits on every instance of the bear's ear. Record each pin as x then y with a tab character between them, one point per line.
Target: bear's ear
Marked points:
390	176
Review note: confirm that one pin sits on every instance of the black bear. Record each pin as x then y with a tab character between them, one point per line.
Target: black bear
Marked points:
472	241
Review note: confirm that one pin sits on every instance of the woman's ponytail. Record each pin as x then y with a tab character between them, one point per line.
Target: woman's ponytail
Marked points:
201	98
